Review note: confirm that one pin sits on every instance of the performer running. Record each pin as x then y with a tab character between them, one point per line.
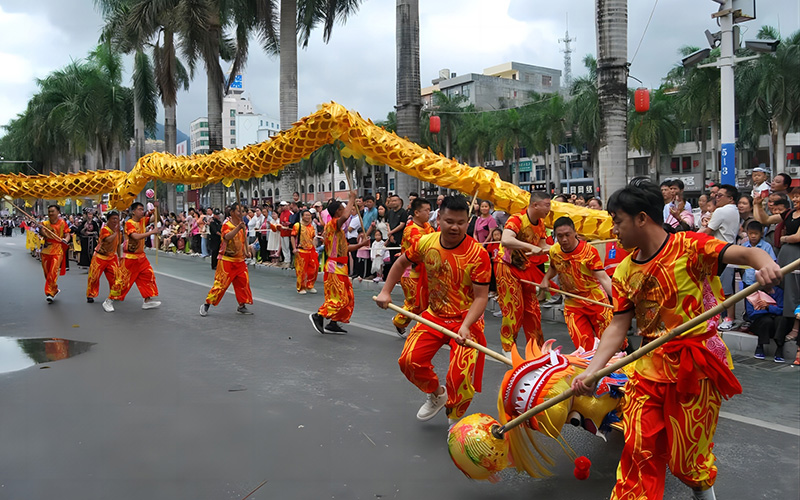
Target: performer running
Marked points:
135	267
54	252
105	259
523	252
231	267
306	263
458	269
580	271
339	300
414	282
674	396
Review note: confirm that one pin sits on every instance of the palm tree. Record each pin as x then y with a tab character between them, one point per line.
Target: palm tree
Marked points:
584	113
474	139
655	131
298	18
512	131
409	102
612	77
768	91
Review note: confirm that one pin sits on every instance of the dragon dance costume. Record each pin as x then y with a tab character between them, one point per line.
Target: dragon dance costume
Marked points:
339	299
451	274
135	267
53	255
306	259
414	281
104	261
231	268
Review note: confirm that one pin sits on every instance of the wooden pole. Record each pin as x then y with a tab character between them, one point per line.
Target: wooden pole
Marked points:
470	343
567	294
602	242
499	430
471	204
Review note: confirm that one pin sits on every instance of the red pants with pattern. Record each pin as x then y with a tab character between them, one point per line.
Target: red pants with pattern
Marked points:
306	265
108	265
519	306
230	272
415	291
339	299
137	271
586	322
464	373
51	265
665	427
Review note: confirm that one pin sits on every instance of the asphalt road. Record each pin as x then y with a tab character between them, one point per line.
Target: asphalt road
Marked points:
167	404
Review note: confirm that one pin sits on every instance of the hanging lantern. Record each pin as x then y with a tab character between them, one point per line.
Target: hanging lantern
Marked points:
641	99
435	125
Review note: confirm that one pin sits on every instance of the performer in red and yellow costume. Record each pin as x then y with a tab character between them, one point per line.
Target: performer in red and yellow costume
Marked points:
306	259
339	300
105	259
135	267
414	282
523	252
580	271
54	252
673	399
458	270
232	268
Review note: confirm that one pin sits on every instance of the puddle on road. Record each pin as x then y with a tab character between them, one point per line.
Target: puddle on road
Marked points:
18	354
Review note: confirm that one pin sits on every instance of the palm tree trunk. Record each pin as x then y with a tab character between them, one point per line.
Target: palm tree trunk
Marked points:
288	83
780	149
556	167
409	102
612	89
214	80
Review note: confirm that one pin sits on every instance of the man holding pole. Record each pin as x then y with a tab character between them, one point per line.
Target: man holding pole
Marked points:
135	267
339	299
522	254
105	259
232	267
580	272
414	282
684	380
458	270
56	237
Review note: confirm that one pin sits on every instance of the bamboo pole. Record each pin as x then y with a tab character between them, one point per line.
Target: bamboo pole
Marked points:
568	294
470	343
499	430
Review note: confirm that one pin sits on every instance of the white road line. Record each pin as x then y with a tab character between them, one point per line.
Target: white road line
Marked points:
723	414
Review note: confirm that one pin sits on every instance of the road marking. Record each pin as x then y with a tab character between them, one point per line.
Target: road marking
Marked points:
723	414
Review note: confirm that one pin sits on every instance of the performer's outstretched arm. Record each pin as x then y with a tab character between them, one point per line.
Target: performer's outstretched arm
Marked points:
604	280
768	272
610	344
395	273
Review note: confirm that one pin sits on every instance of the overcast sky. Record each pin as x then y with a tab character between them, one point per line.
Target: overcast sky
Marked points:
357	67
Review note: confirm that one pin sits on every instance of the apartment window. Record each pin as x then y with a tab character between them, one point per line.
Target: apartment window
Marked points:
260	123
524	176
233	131
640	167
342	185
547	81
466	92
233	112
203	124
204	133
233	141
233	123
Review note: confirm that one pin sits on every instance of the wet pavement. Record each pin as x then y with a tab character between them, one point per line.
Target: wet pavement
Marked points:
167	404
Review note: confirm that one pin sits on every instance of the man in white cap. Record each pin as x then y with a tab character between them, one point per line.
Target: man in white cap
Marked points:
760	185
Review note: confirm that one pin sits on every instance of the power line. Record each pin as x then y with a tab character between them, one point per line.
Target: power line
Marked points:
645	31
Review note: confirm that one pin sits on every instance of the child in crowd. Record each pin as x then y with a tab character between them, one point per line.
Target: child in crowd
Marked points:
380	256
363	255
493	248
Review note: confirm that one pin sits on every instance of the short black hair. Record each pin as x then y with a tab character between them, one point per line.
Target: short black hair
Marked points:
418	203
730	191
641	195
333	207
413	193
562	200
666	183
783	202
539	196
455	202
678	183
233	206
135	205
787	179
754	225
563	221
368	198
54	206
112	213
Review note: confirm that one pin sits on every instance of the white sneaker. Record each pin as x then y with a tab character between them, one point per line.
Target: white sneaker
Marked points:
312	290
725	325
498	314
152	304
108	306
204	309
432	406
302	292
704	494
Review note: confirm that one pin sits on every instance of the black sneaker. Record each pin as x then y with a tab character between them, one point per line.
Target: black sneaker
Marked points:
90	300
318	322
401	332
242	309
333	327
49	299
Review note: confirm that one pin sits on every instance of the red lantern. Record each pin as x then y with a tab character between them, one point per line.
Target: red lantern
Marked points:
641	99
436	124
